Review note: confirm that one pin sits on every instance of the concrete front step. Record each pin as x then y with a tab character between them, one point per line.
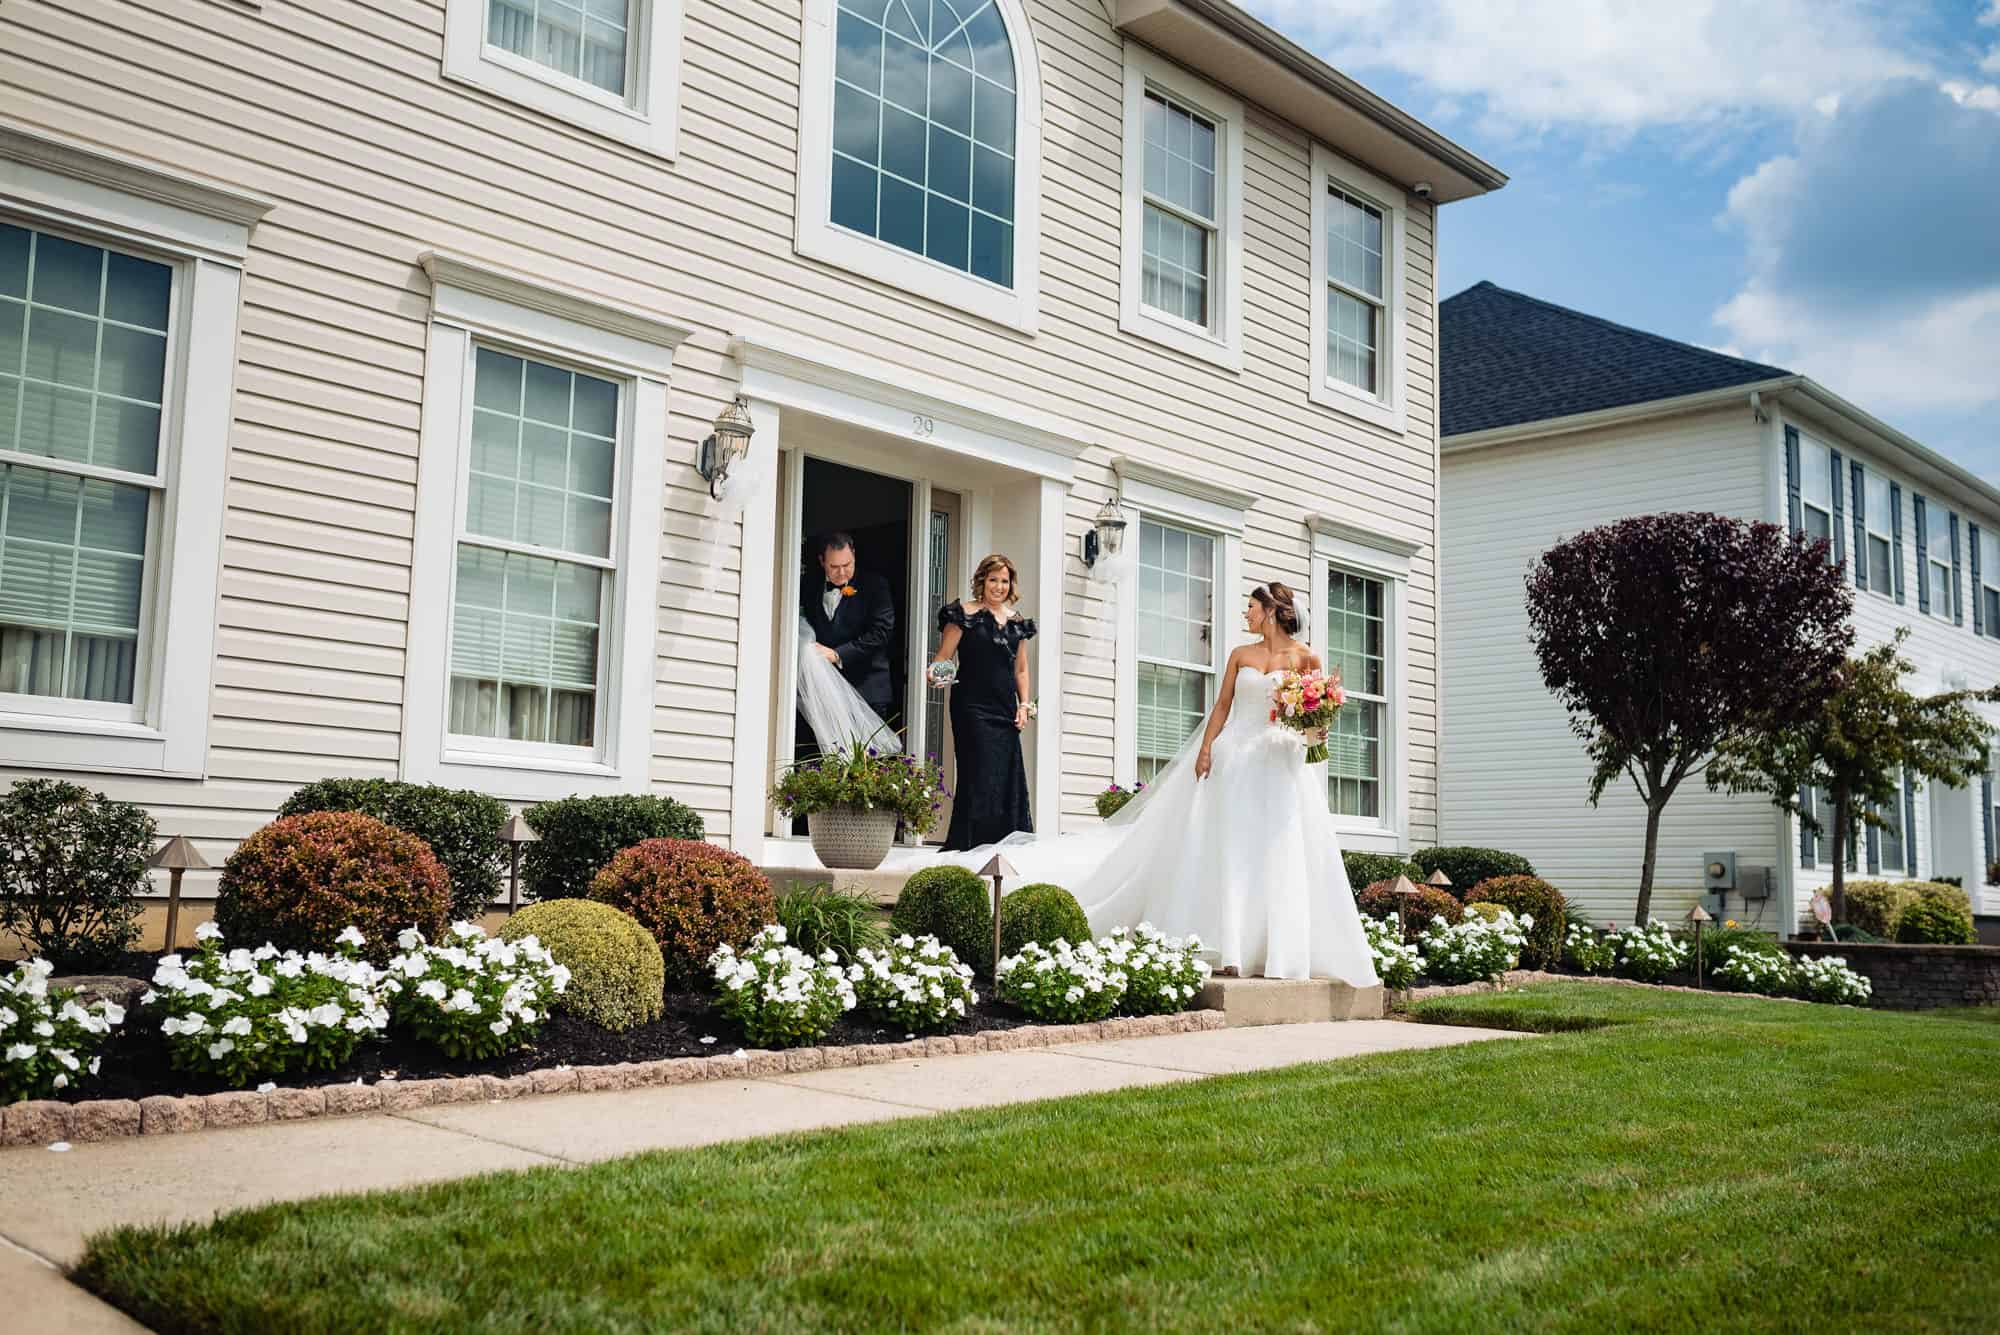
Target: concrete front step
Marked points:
880	886
1255	1001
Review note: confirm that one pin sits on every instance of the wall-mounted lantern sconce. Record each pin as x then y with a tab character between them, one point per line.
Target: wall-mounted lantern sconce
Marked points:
1105	535
729	442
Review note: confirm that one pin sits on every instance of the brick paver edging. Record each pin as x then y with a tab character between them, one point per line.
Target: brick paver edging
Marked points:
45	1121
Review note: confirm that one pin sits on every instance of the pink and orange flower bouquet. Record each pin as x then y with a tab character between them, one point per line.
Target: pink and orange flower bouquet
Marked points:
1306	702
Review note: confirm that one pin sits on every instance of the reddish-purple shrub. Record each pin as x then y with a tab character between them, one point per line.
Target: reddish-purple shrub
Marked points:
301	879
1380	900
692	896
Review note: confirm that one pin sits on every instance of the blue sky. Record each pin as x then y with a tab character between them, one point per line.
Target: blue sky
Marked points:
1811	183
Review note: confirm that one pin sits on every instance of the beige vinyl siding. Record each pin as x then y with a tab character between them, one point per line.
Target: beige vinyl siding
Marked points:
340	114
1515	777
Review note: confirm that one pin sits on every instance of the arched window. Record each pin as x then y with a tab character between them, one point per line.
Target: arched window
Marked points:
923	130
925	173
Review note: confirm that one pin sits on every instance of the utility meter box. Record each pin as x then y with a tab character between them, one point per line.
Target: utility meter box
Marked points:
1718	871
1755	882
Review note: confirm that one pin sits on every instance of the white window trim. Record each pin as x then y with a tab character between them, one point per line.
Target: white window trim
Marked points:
472	304
1386	408
1148	491
1380	556
1937	553
647	118
817	238
1222	341
203	231
1884	583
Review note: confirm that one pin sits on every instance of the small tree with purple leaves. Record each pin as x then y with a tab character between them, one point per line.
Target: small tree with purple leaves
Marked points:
1668	637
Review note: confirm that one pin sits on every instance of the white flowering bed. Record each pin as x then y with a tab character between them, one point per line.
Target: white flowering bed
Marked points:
781	996
475	996
1069	984
1586	952
47	1038
1163	974
1650	952
1749	970
1827	978
1396	960
241	1015
917	984
1475	949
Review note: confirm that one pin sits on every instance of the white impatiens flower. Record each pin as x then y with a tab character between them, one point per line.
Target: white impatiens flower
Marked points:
20	1052
236	1026
350	935
208	931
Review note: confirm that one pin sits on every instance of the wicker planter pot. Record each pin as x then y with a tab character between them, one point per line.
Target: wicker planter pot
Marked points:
849	838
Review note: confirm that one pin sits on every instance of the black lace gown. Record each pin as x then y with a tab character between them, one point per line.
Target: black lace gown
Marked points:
991	799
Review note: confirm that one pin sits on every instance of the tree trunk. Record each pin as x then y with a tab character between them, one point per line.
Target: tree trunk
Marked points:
1654	806
1838	898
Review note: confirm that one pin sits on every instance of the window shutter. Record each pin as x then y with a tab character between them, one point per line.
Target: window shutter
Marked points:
1986	815
1839	508
1910	824
1972	548
1896	536
1807	852
1796	516
1874	850
1853	844
1860	499
1923	554
1957	596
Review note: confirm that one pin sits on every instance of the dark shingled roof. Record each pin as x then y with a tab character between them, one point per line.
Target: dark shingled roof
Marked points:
1505	358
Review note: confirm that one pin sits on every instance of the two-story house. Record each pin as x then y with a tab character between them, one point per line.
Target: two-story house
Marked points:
360	360
1555	422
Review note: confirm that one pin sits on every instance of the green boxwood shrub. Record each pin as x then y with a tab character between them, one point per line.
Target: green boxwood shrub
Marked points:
617	977
580	835
819	918
461	826
1467	867
1876	906
72	864
1487	909
692	896
1367	868
1936	921
1530	895
953	905
301	879
1380	900
1042	913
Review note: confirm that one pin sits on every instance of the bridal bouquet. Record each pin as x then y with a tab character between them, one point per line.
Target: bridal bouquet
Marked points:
1306	702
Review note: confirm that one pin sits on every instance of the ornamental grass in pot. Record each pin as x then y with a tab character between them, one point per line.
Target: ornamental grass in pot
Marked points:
853	801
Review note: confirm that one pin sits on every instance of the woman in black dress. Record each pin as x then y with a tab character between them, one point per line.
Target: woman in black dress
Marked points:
989	706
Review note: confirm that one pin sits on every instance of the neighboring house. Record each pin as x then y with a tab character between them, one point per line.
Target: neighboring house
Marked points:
1555	422
356	360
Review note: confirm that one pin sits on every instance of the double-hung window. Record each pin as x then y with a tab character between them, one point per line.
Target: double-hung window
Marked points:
120	287
1879	529
1816	491
1886	844
1357	643
1988	592
1176	623
1183	218
1358	321
920	149
1938	544
533	617
609	66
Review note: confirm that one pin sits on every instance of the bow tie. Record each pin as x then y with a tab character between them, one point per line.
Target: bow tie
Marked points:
831	587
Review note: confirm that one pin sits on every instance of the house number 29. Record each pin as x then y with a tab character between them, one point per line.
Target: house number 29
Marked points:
921	426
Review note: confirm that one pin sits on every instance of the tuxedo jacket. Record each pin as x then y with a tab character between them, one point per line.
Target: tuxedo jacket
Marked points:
860	630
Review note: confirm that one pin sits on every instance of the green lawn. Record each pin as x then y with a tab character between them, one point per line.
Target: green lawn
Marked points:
1684	1162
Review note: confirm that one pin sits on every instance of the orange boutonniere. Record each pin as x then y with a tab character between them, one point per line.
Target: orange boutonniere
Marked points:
847	590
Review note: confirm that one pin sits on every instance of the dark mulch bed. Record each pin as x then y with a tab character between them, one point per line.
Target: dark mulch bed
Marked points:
135	1058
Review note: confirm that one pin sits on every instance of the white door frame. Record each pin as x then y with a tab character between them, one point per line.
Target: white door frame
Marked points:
928	420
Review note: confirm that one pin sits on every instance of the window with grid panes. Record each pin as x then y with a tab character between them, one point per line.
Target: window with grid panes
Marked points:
1178	255
1357	643
534	553
1176	623
83	373
1356	292
1880	525
585	40
1937	533
1816	491
1889	835
923	130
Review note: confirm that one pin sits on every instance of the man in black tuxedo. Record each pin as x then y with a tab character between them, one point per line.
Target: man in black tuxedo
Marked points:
853	619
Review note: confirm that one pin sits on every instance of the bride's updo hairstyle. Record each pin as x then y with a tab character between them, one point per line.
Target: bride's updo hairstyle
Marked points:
987	567
1276	599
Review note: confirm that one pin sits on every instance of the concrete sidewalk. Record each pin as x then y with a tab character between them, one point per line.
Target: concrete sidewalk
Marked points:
50	1202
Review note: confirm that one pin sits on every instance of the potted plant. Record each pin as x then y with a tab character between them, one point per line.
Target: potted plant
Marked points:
853	801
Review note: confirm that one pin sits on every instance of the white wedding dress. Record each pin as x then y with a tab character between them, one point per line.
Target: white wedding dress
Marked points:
1247	858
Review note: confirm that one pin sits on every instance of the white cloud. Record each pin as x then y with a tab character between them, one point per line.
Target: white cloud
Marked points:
1615	65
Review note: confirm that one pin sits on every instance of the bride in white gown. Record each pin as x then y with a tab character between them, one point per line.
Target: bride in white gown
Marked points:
1233	840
